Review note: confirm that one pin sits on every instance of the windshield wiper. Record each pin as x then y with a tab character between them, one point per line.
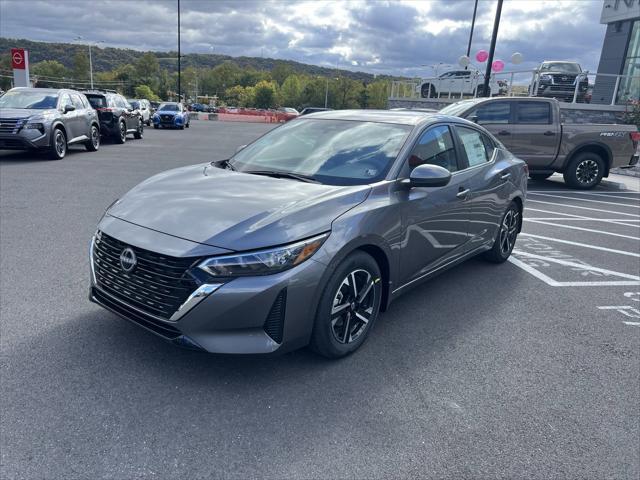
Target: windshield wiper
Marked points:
226	164
280	174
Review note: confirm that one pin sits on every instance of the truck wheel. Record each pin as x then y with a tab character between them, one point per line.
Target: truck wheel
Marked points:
480	91
121	135
58	148
427	91
539	177
584	171
94	139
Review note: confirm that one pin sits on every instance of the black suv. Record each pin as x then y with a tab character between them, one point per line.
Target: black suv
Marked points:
117	117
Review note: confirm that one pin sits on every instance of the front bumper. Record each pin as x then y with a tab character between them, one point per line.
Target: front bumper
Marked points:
25	140
248	315
172	121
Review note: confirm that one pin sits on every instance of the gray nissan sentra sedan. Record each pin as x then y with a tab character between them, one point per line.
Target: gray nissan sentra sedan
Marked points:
304	236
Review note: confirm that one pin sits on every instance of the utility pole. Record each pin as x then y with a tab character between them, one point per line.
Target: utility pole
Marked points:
326	94
492	49
473	23
179	97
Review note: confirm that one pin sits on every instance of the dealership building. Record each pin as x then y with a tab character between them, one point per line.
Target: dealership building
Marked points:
620	52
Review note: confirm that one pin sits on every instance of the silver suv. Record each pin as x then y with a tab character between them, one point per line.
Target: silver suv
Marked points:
47	119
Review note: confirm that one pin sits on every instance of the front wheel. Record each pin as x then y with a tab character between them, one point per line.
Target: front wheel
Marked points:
58	148
94	139
507	235
156	126
139	132
121	136
585	171
348	308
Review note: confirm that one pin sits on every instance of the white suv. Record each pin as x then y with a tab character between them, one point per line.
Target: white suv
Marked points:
144	107
457	83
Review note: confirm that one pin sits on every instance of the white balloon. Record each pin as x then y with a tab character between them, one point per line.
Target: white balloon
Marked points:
464	61
517	58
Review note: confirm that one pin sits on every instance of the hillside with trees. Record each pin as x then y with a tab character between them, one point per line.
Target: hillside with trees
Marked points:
237	81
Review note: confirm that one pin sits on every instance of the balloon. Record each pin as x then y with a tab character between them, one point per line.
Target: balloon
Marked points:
517	58
464	61
482	56
497	66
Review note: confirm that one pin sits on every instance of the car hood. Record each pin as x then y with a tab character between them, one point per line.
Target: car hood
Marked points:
26	112
233	210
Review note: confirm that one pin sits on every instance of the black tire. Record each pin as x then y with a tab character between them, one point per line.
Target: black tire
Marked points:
539	177
506	236
148	122
584	171
181	127
340	327
140	131
58	147
156	127
188	124
121	136
480	91
93	144
428	91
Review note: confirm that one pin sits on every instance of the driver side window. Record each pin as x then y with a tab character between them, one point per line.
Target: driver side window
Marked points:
435	147
64	101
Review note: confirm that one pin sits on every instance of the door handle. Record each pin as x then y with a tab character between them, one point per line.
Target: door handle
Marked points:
462	193
549	133
505	176
504	132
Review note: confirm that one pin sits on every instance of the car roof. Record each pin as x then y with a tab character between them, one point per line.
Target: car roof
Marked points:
401	117
51	90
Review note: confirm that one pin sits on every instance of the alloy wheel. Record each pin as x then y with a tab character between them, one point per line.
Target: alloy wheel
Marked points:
95	137
587	171
123	131
508	231
353	306
60	143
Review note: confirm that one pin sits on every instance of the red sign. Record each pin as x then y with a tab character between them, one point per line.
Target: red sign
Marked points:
17	59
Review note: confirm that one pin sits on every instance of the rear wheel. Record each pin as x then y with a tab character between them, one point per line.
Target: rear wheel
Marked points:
480	91
139	132
348	308
58	148
94	139
507	235
584	171
156	126
428	91
539	176
121	136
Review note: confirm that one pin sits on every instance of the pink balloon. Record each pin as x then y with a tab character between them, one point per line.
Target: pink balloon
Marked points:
497	66
482	56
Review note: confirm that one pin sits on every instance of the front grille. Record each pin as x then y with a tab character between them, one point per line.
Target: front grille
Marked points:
158	284
8	125
166	118
274	324
561	79
7	143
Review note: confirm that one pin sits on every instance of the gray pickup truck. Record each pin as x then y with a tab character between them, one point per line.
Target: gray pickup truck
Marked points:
532	130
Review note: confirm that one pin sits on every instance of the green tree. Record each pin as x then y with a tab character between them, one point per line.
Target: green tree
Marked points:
147	69
240	96
377	94
346	93
265	94
81	66
144	91
290	91
313	92
280	72
50	68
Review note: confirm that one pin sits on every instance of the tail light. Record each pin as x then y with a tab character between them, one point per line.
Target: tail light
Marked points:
104	109
635	138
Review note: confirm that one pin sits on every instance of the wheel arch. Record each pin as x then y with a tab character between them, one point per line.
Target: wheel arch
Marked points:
598	148
382	260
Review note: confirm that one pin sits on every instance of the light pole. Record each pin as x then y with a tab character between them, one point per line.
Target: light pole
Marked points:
79	37
492	49
435	67
179	97
473	23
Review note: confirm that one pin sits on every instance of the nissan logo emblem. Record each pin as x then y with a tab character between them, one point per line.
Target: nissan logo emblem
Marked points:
128	260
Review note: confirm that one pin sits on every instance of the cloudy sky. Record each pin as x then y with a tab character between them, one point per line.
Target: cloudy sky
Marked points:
385	37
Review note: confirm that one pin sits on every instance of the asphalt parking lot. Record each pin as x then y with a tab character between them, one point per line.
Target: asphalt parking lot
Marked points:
528	369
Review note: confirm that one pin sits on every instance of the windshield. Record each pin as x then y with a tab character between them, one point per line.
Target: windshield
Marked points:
26	99
134	104
169	107
334	152
560	67
457	108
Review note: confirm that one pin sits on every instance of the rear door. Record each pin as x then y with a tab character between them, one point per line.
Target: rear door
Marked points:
498	117
536	136
83	118
71	118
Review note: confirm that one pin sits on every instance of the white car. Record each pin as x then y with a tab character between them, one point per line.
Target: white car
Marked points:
144	107
457	83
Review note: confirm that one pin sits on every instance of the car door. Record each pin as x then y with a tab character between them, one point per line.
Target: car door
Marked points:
486	177
128	114
435	220
83	119
71	121
497	116
536	136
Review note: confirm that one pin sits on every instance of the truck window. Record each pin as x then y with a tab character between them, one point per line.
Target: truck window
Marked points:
533	113
494	112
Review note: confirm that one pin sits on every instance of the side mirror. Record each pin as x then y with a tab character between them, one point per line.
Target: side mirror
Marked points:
473	118
429	176
240	148
69	108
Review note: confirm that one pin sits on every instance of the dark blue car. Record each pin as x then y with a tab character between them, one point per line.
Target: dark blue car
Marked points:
171	115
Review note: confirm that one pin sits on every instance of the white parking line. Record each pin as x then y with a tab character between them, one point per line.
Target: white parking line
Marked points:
578	244
588	219
584	208
527	209
578	192
586	200
582	229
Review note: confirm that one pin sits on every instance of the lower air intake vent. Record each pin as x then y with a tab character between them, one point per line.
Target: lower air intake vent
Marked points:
274	325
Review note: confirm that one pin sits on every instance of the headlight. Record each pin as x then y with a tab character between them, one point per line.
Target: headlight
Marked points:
263	262
35	126
546	78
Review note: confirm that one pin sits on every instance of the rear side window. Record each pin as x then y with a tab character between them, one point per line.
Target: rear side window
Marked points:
474	146
495	112
435	147
77	101
97	101
533	113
